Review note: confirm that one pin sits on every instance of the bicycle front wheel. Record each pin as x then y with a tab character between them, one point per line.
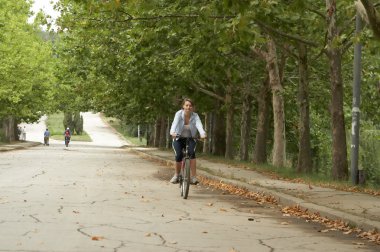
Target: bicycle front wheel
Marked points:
186	179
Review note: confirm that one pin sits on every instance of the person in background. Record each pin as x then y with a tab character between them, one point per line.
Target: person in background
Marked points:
186	123
23	134
46	137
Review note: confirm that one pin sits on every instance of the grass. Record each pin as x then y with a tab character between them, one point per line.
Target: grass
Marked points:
116	124
55	124
289	174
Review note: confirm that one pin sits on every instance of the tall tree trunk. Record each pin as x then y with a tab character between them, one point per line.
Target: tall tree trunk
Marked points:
207	126
168	136
229	123
149	135
246	119
157	131
371	16
15	130
163	134
304	163
8	129
263	100
339	152
218	127
279	144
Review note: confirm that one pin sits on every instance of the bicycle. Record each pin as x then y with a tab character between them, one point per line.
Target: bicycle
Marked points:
184	175
67	141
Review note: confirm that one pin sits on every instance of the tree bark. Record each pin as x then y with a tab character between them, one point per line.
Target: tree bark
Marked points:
279	144
219	133
207	126
339	151
149	135
372	17
229	123
263	100
304	163
163	134
8	129
157	131
246	119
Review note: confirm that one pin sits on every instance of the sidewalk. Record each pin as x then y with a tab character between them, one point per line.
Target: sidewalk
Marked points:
359	209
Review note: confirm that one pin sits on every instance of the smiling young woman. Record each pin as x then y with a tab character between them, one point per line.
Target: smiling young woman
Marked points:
186	123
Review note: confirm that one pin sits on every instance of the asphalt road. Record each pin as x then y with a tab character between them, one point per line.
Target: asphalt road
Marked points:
104	198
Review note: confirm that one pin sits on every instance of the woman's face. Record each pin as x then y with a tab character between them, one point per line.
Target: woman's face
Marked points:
187	107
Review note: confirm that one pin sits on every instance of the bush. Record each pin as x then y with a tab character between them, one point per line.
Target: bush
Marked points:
369	153
74	122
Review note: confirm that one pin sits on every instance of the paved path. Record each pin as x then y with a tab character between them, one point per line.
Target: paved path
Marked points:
359	209
103	198
100	133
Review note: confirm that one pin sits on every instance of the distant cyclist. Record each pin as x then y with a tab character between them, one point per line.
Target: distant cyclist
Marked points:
67	135
186	123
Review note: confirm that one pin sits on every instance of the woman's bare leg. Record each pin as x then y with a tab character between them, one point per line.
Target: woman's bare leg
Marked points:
193	167
178	167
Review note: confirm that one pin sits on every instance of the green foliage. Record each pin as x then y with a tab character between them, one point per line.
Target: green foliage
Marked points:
135	60
78	123
26	65
54	123
74	121
68	121
370	155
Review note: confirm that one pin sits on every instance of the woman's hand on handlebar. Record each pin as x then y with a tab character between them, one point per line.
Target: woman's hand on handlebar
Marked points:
174	135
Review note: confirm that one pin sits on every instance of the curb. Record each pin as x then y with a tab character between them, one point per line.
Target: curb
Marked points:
23	145
282	198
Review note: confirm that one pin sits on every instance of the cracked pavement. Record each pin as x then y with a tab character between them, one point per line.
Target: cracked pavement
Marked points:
93	198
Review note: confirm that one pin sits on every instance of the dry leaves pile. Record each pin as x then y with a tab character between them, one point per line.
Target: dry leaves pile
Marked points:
332	225
259	197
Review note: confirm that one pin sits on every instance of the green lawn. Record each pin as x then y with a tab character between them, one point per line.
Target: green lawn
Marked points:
55	124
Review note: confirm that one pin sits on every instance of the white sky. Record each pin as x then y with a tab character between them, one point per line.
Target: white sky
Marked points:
46	6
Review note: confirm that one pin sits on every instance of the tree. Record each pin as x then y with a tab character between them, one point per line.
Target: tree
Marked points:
26	66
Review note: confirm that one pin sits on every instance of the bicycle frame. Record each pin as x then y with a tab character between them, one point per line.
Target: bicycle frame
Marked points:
184	176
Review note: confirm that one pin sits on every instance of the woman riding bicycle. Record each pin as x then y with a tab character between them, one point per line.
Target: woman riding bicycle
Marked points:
185	124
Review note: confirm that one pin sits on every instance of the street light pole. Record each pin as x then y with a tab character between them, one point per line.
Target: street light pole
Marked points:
356	105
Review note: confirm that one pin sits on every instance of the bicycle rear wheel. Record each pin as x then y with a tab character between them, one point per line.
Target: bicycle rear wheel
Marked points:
186	179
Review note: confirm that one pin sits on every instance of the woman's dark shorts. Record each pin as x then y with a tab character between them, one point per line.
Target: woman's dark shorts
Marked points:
179	144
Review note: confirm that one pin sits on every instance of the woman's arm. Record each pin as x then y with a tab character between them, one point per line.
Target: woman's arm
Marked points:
175	124
199	125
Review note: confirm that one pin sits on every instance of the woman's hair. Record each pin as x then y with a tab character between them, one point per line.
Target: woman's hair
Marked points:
187	100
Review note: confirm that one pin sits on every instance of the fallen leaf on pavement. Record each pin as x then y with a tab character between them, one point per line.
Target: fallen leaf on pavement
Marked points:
97	238
324	230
